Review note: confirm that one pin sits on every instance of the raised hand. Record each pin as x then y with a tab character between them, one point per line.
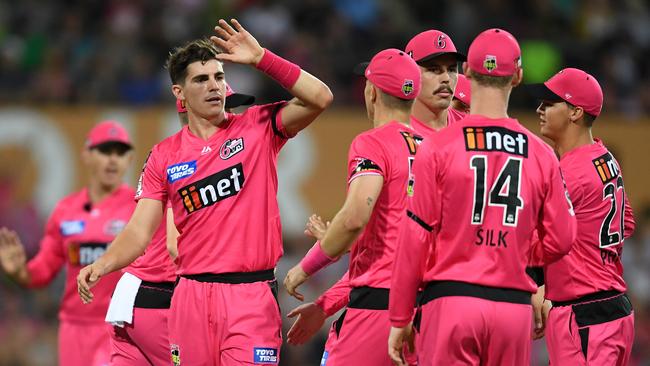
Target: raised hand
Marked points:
237	44
310	319
315	227
12	254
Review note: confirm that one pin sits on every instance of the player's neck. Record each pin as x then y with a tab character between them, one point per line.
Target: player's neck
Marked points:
97	191
385	115
436	118
490	102
205	128
573	139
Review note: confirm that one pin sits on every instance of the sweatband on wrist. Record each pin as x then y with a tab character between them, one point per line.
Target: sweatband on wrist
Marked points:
285	72
315	260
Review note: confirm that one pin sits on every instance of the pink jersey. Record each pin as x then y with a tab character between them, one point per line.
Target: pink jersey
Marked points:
605	219
76	235
388	151
155	265
223	192
336	297
420	127
482	186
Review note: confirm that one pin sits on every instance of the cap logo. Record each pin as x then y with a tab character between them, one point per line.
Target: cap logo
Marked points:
440	42
112	132
568	96
461	94
407	87
490	63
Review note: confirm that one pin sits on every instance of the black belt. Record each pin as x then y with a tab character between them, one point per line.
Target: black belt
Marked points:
437	289
370	298
603	311
233	277
594	296
154	295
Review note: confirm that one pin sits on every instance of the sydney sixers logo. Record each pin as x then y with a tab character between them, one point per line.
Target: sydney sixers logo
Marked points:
231	147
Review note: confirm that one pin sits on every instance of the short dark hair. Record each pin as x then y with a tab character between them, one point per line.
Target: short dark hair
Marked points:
198	50
395	102
491	81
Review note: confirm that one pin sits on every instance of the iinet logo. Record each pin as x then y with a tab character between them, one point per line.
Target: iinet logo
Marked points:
492	138
212	189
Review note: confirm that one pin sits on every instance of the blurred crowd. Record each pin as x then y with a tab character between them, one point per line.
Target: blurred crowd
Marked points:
112	51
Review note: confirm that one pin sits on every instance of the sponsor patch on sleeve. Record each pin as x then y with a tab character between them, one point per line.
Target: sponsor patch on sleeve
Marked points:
365	166
180	171
265	356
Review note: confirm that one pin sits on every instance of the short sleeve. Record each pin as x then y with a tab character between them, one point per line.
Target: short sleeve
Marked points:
366	157
152	182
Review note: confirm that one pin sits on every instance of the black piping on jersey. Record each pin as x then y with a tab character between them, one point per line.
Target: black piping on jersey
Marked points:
419	221
274	121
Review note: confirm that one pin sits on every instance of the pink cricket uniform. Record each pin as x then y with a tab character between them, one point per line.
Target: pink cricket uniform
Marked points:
453	116
145	341
76	235
223	194
592	321
361	334
482	186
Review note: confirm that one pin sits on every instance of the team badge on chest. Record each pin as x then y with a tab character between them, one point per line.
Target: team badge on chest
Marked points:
231	147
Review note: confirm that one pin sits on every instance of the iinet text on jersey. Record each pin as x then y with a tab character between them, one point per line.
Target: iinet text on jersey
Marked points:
212	189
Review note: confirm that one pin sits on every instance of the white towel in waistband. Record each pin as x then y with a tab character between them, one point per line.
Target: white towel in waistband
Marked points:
120	310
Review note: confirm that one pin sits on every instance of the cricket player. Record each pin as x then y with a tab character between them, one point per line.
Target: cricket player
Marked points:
482	185
379	164
220	175
462	95
77	232
591	321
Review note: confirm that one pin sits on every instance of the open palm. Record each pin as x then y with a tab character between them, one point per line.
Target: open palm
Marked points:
12	254
237	44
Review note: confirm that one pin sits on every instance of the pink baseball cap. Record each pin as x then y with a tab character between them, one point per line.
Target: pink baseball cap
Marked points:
494	52
394	72
463	90
430	44
573	86
107	132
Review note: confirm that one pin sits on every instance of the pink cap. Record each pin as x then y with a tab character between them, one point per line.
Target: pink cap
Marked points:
494	52
431	44
105	132
463	90
573	86
394	72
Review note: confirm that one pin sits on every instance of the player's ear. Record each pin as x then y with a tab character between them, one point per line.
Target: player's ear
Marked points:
576	114
178	92
85	156
466	70
518	77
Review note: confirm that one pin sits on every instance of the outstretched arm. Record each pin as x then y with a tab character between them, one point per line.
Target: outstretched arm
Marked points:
312	96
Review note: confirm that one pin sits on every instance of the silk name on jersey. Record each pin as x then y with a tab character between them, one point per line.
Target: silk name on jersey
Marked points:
212	189
493	138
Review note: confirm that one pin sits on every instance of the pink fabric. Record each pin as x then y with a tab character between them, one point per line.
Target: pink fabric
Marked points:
463	90
336	297
387	151
84	344
143	343
155	265
453	116
215	324
315	260
609	344
395	73
591	266
458	330
284	72
494	52
578	88
216	185
439	241
362	340
75	237
107	131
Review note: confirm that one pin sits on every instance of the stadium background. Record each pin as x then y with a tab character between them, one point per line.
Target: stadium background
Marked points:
65	65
